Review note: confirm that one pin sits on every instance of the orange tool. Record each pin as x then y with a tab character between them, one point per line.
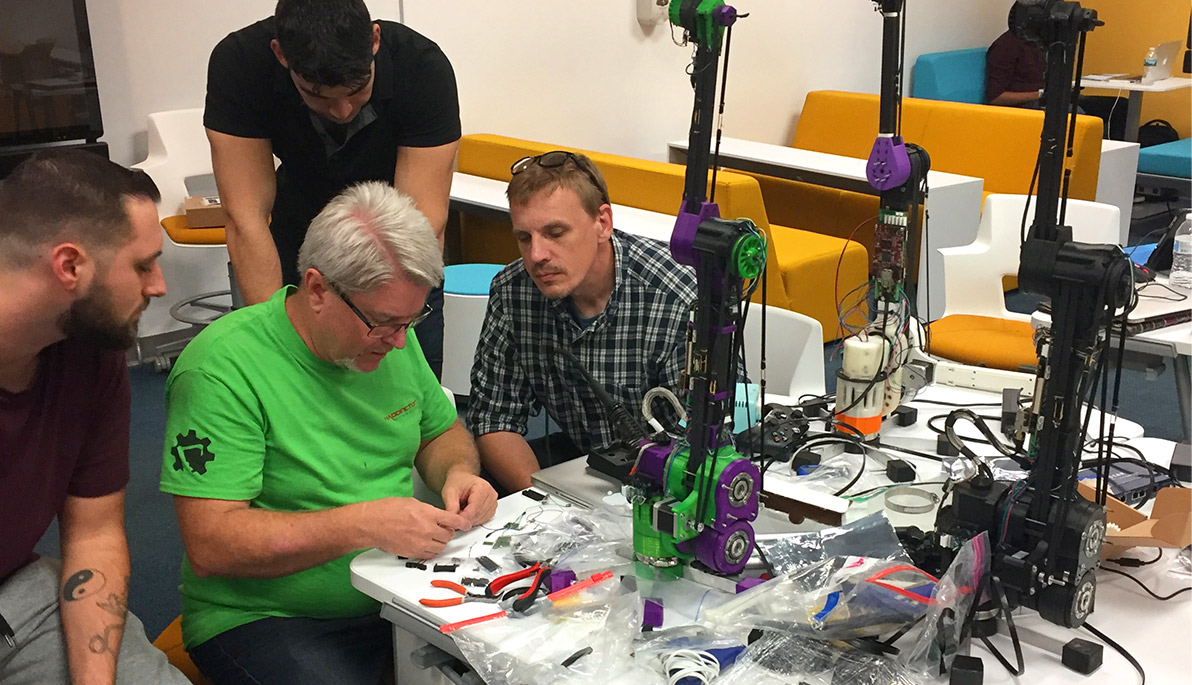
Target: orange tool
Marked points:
465	596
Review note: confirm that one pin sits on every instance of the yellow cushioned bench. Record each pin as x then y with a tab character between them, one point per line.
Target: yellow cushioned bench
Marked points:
803	264
997	144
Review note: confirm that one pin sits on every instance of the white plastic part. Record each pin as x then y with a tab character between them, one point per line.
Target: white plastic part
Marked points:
651	12
863	359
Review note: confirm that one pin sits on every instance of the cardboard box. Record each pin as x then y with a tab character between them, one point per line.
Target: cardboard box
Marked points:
204	211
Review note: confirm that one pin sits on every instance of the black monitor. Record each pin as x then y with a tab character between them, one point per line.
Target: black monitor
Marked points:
47	73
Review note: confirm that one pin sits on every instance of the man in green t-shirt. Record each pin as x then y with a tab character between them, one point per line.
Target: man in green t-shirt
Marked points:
294	426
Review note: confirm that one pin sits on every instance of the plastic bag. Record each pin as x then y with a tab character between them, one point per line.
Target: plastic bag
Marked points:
872	536
938	638
838	598
654	651
781	659
1182	567
584	644
550	534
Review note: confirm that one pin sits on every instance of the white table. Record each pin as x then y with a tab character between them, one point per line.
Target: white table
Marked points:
1135	89
1152	631
1171	342
953	202
486	197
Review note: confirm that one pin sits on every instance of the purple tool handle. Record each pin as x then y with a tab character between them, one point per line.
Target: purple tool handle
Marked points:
560	579
651	614
746	583
888	166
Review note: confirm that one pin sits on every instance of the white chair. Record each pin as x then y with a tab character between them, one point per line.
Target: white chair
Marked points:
794	351
465	300
976	327
178	150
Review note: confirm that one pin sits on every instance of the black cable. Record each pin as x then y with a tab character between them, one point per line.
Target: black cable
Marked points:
1131	562
1139	583
1119	649
1008	615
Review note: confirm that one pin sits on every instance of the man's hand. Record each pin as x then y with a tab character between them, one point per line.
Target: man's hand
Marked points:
409	528
469	496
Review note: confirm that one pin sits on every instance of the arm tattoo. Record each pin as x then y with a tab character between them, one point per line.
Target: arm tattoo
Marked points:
82	584
102	644
115	604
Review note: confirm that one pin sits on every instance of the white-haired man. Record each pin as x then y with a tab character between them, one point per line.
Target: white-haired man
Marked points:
292	432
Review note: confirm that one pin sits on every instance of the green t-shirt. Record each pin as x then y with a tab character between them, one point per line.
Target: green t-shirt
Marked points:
254	415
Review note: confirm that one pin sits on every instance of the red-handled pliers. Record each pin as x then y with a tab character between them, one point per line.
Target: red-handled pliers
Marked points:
465	596
539	573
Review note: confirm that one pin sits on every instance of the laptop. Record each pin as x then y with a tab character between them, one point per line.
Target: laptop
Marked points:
1165	56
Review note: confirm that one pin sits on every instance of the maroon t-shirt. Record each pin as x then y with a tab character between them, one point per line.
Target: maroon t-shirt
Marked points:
67	434
1013	65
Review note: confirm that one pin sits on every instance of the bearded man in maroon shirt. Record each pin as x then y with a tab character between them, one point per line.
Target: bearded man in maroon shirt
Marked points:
79	241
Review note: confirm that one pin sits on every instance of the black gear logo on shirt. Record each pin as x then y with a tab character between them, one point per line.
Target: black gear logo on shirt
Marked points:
194	450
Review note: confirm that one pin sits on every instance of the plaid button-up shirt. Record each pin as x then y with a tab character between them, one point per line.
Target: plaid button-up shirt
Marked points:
635	344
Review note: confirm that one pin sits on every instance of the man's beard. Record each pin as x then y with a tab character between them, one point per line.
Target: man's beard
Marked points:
92	320
348	364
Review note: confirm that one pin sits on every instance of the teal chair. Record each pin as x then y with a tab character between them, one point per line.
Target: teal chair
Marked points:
956	76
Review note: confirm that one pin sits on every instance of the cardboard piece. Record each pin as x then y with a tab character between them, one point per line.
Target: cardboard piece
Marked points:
1169	525
204	211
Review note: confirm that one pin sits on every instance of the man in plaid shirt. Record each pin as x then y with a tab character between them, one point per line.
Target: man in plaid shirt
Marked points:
618	303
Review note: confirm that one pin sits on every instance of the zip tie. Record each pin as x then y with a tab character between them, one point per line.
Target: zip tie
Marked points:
448	628
595	579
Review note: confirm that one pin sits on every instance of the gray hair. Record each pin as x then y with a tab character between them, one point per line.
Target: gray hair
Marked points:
368	235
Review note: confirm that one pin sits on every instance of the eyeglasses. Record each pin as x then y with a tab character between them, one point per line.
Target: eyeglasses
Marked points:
557	158
378	332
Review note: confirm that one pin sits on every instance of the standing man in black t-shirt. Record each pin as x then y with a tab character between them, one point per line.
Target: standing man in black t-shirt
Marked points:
339	99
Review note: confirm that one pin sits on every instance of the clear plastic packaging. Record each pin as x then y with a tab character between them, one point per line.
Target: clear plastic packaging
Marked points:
653	651
937	638
1182	566
781	659
581	643
872	536
838	598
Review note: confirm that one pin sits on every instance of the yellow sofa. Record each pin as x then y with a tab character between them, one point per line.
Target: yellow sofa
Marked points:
802	264
998	144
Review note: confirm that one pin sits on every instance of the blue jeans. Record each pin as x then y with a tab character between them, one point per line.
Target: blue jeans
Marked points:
299	651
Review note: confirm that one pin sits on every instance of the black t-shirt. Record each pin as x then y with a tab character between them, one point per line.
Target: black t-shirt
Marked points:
250	95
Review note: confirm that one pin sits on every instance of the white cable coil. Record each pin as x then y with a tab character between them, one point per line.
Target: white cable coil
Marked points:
690	663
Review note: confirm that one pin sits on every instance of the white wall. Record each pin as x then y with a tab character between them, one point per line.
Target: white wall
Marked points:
577	73
151	55
586	74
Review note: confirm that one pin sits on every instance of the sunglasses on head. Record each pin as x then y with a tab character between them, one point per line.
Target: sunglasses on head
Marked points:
555	159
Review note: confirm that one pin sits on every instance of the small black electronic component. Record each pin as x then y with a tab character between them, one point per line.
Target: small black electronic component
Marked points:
905	416
475	582
534	494
445	568
900	471
967	670
944	448
416	564
1082	656
488	564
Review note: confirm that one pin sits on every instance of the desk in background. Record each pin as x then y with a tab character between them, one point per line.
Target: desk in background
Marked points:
954	201
486	197
1135	89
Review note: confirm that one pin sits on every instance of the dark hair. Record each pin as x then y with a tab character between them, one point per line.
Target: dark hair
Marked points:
67	195
326	42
